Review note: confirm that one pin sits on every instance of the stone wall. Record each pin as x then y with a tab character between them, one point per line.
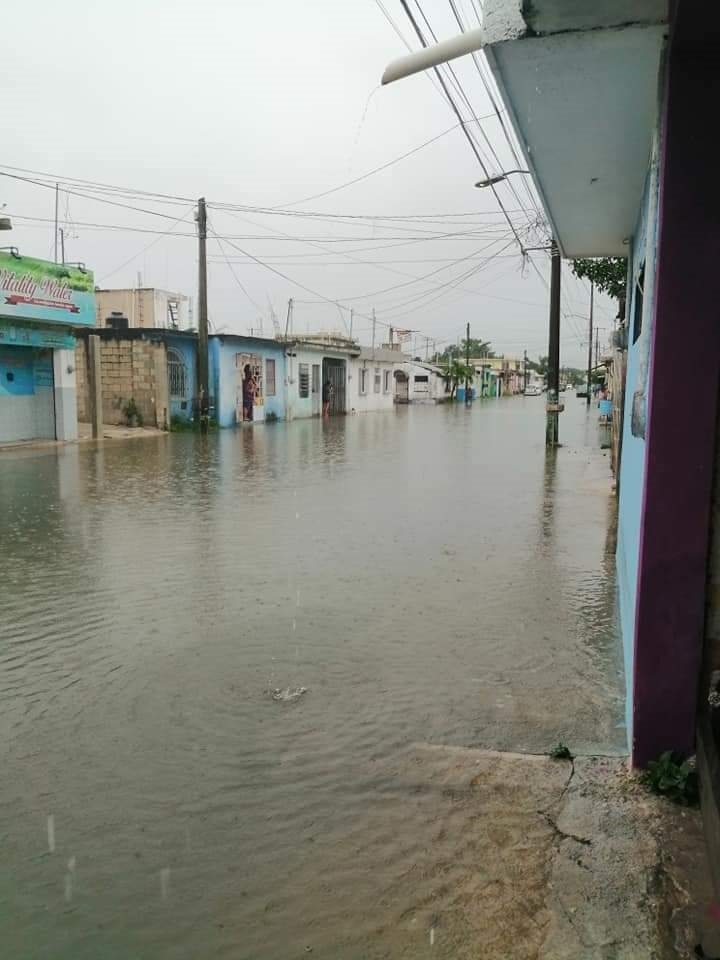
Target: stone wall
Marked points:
131	369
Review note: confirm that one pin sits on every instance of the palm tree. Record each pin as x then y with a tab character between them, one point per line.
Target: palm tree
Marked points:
457	373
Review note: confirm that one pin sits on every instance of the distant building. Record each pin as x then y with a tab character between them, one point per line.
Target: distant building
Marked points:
372	379
496	376
419	382
143	307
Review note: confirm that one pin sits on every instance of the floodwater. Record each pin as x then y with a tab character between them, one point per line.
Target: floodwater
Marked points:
429	575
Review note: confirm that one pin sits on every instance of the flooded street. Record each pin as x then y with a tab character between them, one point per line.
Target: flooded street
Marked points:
428	575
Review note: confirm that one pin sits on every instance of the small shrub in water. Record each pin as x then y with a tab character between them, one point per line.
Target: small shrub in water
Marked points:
673	777
561	751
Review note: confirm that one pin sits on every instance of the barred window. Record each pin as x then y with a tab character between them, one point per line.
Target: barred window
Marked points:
177	375
303	380
269	378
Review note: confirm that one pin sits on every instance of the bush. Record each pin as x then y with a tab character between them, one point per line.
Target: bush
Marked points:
673	777
132	414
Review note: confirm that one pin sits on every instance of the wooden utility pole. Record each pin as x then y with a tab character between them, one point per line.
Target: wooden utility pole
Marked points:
203	367
590	343
468	398
553	386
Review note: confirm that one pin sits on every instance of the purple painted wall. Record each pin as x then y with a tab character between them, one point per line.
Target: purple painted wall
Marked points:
681	422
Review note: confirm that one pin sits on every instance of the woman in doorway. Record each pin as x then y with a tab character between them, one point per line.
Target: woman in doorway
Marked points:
327	394
248	388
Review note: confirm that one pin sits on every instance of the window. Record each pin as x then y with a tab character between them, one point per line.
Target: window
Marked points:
376	386
303	380
638	310
421	379
386	386
362	382
269	378
177	375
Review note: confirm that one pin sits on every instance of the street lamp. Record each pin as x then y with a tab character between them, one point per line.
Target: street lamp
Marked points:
498	178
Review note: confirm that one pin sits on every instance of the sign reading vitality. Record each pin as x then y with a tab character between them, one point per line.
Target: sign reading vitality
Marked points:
39	290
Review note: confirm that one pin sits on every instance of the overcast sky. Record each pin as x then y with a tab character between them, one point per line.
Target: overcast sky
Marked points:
258	104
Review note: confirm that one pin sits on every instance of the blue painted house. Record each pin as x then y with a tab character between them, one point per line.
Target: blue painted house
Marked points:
233	359
182	373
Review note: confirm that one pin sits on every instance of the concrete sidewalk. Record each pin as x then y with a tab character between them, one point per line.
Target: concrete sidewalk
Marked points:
537	859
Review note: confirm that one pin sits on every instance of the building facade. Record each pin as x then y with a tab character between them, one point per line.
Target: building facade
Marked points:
41	303
143	307
156	370
371	380
247	379
418	382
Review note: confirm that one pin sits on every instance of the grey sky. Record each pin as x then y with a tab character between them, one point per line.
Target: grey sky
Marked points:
262	104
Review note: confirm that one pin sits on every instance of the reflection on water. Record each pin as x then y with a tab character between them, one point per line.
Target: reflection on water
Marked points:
430	576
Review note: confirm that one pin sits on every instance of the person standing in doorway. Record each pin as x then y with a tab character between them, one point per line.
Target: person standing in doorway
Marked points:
327	395
248	388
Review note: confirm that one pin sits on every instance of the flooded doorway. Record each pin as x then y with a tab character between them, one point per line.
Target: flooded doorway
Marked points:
401	387
334	371
249	397
316	392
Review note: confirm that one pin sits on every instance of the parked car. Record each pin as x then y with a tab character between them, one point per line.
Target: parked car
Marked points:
532	391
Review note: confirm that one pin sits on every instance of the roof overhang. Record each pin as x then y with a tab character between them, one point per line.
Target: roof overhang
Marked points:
580	82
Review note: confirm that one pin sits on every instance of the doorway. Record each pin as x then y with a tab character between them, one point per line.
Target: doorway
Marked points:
401	387
249	396
334	371
316	392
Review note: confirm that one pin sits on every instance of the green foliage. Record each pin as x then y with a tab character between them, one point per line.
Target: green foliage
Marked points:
478	348
457	373
132	414
673	777
561	751
607	273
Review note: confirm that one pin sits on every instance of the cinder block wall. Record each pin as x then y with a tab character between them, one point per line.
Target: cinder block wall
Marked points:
130	369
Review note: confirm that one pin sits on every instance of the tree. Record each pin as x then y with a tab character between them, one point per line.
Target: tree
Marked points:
478	348
457	373
609	274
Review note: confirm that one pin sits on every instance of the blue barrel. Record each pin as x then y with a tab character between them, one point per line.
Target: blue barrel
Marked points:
606	409
461	394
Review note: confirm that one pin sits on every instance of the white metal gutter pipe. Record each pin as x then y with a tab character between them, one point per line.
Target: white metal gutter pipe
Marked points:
433	56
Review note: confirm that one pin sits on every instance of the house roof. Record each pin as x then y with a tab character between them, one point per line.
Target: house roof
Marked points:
580	83
381	355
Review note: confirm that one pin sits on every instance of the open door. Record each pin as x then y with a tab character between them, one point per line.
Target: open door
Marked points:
316	392
249	396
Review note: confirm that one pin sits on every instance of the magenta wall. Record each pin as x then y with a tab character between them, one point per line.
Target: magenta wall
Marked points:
682	410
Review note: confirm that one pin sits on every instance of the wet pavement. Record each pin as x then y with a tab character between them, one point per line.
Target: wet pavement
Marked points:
429	575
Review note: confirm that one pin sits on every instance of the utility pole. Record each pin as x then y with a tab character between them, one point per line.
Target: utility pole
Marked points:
203	370
553	388
468	398
57	205
62	245
525	372
373	331
590	342
391	337
352	314
427	349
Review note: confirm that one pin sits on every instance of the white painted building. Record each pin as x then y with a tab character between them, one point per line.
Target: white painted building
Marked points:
418	382
371	379
148	307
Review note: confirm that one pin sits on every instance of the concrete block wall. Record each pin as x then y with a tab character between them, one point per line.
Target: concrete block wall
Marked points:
131	369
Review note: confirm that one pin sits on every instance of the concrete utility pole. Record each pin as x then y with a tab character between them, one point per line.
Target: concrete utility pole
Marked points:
203	369
57	205
95	385
352	316
590	342
553	389
373	331
468	398
525	371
